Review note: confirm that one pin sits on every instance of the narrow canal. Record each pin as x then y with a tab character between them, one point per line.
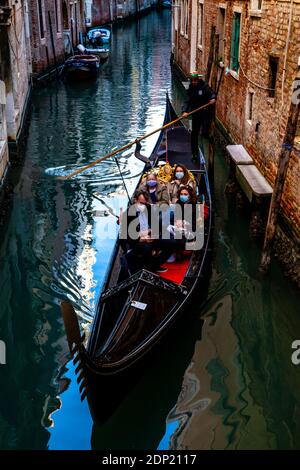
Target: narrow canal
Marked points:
226	380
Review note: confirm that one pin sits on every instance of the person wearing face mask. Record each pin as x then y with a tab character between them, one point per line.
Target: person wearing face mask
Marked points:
142	247
186	195
158	192
182	230
181	177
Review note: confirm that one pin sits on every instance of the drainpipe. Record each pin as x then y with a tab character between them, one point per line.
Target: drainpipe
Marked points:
286	50
111	11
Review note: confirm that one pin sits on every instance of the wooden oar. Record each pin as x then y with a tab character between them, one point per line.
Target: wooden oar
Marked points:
110	210
125	147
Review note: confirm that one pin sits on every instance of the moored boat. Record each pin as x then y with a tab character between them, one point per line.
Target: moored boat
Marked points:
134	312
101	52
81	66
98	36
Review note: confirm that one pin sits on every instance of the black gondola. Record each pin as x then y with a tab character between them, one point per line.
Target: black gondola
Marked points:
135	312
81	67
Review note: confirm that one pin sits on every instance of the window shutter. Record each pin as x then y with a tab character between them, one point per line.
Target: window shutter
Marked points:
235	42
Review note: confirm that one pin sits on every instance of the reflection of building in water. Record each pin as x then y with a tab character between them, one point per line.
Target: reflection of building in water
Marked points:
84	267
240	390
214	409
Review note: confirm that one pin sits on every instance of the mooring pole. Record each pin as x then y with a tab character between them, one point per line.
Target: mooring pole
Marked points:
283	163
211	147
211	54
52	44
48	63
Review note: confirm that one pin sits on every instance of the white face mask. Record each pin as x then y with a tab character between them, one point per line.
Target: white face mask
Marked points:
141	207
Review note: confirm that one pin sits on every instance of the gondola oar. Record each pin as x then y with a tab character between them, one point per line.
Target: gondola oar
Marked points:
122	177
110	210
134	142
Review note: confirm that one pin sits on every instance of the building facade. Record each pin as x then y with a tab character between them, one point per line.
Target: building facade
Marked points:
15	72
257	42
105	11
57	26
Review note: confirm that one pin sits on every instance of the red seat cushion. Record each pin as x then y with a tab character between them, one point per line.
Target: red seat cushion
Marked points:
176	271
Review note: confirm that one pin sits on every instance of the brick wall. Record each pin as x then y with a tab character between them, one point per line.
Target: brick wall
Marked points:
66	20
101	11
15	70
262	36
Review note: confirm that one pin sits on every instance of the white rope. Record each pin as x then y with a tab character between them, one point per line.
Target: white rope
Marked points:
254	83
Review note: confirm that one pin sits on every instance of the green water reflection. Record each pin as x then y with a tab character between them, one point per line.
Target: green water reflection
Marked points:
225	379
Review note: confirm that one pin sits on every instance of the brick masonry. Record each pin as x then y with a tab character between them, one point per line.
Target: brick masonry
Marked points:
67	20
263	35
15	70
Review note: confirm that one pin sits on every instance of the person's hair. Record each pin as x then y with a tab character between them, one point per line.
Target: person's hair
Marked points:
151	174
186	177
192	194
141	192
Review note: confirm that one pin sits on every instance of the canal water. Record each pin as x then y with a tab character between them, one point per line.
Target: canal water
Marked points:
225	379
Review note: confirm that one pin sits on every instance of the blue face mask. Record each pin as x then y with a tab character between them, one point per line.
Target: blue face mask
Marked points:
179	175
151	183
184	198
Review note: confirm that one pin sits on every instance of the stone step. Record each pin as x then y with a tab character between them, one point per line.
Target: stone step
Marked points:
239	155
252	182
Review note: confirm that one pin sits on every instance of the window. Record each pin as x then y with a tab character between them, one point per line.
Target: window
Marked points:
235	42
186	23
58	16
182	12
41	18
256	5
200	23
250	106
273	68
65	16
221	32
184	17
76	22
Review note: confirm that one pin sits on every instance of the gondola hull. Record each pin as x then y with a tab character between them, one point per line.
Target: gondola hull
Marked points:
81	67
101	52
105	390
135	312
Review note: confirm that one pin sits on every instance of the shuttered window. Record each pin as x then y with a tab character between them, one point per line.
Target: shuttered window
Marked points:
200	23
235	42
41	10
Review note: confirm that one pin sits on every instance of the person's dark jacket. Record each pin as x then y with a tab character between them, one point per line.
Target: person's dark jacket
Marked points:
198	95
127	218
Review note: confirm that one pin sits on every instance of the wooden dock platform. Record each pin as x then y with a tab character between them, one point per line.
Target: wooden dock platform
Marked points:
253	182
250	179
239	155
